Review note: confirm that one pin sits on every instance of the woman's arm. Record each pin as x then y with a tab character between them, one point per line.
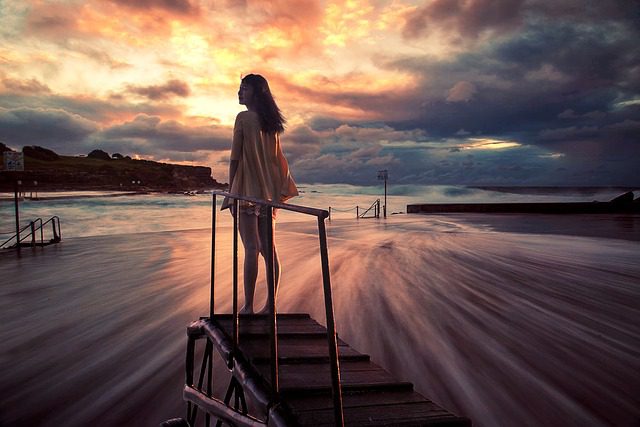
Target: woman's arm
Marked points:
233	167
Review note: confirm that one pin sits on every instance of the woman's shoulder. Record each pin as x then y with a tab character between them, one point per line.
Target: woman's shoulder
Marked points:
247	115
248	120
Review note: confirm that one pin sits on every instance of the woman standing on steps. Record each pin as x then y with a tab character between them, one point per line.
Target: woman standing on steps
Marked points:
257	168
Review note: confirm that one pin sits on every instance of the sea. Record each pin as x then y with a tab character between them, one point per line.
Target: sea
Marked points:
507	319
98	213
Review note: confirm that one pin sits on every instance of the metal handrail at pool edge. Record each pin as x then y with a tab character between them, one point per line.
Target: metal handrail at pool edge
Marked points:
57	234
332	341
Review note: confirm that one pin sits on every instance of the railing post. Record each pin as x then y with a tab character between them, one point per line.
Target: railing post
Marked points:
329	213
357	211
41	234
336	387
236	215
213	253
17	215
33	233
53	226
271	300
189	369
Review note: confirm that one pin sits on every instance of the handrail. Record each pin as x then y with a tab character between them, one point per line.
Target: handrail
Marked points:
33	231
57	233
20	232
287	206
374	204
332	340
53	220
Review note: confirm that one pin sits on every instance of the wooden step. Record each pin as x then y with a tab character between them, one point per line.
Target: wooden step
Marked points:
316	378
371	395
373	408
288	324
300	348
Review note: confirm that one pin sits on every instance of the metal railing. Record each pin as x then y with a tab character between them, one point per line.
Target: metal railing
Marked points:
332	340
375	206
376	210
33	226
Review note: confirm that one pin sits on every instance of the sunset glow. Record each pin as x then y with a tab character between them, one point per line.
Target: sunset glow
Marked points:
159	79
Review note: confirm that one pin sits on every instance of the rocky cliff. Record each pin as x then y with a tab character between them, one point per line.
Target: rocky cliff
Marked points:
56	172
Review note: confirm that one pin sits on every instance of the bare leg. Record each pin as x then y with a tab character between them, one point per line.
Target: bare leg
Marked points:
263	228
248	226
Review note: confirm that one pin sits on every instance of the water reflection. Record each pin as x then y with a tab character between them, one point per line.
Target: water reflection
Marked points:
507	329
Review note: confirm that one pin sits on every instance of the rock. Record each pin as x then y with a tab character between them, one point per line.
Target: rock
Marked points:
4	148
623	199
99	154
40	153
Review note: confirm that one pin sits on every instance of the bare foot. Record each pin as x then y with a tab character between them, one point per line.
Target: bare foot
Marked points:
246	310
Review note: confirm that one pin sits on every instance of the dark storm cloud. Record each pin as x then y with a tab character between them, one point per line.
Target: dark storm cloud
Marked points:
149	133
95	109
171	88
52	128
546	77
585	11
68	133
467	18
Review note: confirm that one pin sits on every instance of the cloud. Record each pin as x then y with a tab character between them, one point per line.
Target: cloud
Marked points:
180	7
23	86
365	84
51	128
92	108
52	21
468	18
98	55
546	72
68	133
170	89
150	134
461	92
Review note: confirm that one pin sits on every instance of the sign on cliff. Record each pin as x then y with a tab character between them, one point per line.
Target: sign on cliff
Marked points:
13	161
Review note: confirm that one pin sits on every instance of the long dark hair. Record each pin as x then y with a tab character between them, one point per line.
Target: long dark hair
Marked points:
271	118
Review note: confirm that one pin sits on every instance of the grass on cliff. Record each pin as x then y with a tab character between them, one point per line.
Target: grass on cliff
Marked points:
88	163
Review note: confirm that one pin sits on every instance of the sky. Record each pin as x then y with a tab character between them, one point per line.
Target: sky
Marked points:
460	92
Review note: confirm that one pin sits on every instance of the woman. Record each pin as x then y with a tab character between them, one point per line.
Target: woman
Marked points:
257	168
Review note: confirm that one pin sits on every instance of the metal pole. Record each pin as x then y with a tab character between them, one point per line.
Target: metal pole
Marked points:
15	199
357	212
213	253
56	237
236	215
275	383
209	349
189	369
33	234
329	213
336	387
385	196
